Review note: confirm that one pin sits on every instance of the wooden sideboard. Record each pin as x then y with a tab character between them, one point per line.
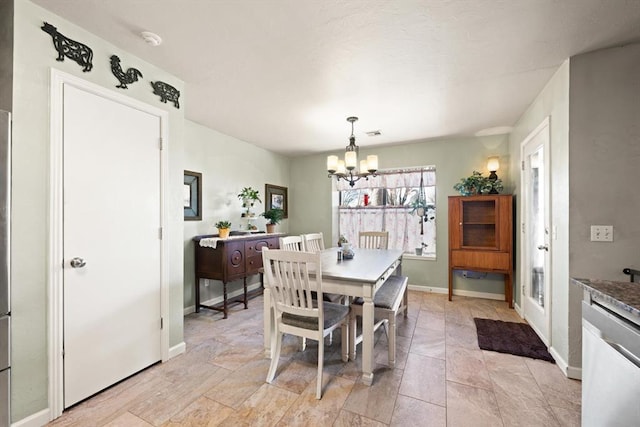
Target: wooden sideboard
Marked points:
232	259
481	237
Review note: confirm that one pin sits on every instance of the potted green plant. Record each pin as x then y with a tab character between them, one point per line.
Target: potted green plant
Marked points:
274	216
476	184
224	228
249	196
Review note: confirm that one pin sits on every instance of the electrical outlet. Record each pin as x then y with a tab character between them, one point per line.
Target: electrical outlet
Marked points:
602	233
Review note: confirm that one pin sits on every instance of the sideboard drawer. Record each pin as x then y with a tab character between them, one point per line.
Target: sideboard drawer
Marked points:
254	264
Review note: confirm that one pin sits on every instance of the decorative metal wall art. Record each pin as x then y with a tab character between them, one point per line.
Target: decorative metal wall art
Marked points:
76	51
124	77
166	92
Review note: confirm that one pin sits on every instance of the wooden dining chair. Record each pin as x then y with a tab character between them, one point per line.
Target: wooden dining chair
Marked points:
388	301
373	239
288	278
313	242
291	243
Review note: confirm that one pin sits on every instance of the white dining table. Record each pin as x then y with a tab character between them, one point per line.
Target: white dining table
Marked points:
361	276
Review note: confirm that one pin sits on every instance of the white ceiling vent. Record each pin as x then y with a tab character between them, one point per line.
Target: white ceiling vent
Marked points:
374	133
152	39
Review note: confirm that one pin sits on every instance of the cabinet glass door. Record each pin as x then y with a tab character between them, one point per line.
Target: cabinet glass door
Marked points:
479	223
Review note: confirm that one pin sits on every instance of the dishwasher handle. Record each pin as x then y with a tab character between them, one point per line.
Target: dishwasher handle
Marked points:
617	331
624	353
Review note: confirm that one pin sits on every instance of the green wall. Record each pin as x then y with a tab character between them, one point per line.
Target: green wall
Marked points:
227	165
313	198
34	56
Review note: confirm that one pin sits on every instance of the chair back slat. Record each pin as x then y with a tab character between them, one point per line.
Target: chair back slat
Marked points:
313	242
290	275
373	239
291	243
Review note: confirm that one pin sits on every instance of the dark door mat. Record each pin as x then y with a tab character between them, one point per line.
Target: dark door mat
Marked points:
512	338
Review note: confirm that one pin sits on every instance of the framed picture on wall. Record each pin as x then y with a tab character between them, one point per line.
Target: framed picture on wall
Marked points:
276	197
192	196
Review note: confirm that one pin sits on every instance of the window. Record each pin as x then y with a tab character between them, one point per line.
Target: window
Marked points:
390	203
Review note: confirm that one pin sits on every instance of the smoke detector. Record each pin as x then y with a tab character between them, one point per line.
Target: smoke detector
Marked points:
152	39
374	133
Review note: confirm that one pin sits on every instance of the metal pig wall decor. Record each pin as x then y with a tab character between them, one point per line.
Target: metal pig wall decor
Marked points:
124	77
166	92
76	51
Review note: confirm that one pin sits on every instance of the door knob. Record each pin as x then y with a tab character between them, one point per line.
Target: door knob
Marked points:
78	262
543	247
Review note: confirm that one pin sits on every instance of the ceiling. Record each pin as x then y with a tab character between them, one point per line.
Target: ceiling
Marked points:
285	74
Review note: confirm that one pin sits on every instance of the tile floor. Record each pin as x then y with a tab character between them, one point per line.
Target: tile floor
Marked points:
441	378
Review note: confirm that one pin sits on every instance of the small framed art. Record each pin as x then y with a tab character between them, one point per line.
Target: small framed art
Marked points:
276	197
192	196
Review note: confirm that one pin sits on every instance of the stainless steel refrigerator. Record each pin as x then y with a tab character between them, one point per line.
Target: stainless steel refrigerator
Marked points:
5	273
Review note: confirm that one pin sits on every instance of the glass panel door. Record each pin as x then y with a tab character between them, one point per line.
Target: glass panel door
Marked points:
536	226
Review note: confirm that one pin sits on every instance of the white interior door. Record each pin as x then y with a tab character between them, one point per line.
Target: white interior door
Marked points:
536	282
112	218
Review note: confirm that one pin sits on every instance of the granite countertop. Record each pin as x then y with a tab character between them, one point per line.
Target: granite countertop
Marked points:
624	295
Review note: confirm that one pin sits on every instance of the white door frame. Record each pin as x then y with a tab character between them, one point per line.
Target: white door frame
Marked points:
55	279
523	215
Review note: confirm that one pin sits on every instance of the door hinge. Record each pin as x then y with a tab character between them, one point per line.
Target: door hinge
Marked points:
523	229
522	165
161	143
160	233
161	323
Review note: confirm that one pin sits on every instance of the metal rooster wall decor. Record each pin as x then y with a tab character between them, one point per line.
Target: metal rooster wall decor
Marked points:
76	51
166	92
124	77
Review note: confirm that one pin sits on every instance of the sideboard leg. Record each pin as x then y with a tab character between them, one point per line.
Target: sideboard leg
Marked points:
196	286
225	306
246	299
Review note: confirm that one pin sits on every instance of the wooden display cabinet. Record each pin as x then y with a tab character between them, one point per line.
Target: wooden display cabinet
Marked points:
481	237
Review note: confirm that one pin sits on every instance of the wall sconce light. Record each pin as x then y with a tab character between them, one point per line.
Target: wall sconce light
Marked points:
346	169
493	164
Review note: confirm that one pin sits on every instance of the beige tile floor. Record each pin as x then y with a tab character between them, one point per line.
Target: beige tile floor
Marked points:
441	378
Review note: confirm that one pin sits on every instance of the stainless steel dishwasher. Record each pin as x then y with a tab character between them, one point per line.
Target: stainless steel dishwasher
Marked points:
610	365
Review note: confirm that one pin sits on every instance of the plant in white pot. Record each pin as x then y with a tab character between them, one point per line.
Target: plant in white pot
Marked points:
249	196
274	216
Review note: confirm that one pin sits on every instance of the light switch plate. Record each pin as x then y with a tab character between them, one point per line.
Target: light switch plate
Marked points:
602	233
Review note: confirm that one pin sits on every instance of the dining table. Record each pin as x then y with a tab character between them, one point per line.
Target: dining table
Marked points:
360	276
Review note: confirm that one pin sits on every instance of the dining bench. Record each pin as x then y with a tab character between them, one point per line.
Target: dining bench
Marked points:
389	300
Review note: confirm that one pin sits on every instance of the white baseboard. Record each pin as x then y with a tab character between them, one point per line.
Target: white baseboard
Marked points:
177	350
218	300
38	419
569	371
518	310
474	294
574	373
460	292
435	290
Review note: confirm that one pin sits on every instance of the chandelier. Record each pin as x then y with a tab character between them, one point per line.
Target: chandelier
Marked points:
346	169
